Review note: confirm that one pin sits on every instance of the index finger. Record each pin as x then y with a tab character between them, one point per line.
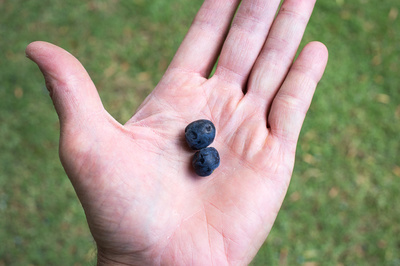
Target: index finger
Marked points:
202	44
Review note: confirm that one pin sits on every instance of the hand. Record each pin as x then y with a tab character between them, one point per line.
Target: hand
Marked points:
143	202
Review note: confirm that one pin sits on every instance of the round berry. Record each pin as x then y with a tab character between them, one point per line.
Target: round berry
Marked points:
199	134
205	161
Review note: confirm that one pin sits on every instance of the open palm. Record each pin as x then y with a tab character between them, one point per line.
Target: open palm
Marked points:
143	202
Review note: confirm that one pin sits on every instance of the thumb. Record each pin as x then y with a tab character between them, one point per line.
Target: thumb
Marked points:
78	106
73	93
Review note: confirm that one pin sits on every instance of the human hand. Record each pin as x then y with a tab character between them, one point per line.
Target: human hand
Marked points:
143	202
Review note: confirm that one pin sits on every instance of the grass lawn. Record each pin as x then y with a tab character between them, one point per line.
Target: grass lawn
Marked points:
342	205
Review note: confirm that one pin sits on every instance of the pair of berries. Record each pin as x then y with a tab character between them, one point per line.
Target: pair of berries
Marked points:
199	134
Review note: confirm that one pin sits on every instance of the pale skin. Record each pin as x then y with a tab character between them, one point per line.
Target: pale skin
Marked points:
143	202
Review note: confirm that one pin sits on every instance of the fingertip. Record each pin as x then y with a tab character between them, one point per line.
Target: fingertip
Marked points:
39	49
30	48
312	59
317	50
36	48
317	45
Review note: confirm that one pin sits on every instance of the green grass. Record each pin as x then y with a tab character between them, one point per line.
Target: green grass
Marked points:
341	207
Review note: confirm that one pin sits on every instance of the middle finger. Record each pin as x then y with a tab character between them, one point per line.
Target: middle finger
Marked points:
245	39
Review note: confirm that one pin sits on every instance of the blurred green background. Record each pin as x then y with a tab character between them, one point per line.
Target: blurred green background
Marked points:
342	207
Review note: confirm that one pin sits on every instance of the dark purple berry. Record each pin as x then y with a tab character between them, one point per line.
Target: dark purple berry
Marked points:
205	161
199	134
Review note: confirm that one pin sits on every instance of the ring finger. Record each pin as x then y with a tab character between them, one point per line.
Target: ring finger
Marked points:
276	57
